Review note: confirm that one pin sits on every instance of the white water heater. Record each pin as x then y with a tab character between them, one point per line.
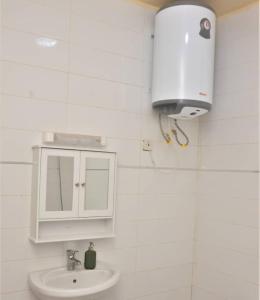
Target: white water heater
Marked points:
183	63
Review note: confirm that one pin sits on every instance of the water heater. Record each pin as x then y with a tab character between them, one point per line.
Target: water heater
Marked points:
183	63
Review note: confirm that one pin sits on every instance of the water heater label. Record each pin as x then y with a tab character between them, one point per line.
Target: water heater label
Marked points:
205	27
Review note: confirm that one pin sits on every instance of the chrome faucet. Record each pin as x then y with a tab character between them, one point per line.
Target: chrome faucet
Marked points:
72	262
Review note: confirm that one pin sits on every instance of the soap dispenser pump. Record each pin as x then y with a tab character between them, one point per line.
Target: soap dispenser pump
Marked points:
90	257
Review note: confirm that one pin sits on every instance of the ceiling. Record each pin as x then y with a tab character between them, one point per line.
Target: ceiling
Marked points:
221	6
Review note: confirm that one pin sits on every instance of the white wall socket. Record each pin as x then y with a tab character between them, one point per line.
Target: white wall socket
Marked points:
147	146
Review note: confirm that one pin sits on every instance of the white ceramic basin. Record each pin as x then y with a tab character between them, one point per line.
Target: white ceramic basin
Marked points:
60	283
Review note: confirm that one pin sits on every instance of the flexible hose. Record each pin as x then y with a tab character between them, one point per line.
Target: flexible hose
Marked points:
165	135
175	133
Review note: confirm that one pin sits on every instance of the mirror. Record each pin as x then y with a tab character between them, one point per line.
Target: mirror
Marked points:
96	183
59	189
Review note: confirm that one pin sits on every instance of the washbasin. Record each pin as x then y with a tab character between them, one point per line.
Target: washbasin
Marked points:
58	283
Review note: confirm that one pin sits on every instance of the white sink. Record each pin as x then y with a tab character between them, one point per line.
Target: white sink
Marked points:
59	283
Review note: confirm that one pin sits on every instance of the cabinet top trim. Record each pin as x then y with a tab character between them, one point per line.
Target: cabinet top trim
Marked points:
71	148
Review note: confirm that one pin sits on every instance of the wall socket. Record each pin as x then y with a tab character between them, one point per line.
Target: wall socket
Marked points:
147	146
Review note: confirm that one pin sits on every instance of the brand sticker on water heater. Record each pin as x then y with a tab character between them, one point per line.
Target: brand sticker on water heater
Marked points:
205	27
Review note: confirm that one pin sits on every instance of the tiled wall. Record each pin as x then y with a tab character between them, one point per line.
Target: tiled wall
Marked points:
226	247
95	81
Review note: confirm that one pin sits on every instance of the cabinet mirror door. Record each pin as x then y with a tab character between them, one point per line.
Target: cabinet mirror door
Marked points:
59	183
97	183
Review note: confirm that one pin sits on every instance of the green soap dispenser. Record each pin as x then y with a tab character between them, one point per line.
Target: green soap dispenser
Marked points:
90	257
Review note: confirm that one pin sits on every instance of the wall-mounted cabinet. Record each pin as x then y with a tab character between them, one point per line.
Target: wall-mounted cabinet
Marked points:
73	194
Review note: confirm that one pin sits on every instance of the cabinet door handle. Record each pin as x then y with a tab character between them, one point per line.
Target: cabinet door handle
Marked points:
77	184
83	184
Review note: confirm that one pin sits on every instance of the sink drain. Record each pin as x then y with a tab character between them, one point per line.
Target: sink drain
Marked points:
74	280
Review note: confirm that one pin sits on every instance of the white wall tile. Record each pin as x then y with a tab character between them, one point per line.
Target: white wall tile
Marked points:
104	93
230	236
228	183
178	294
90	120
233	210
25	295
17	144
31	114
23	48
114	12
236	78
167	230
128	151
237	104
228	156
224	285
15	212
225	132
103	36
161	280
33	82
16	179
127	181
167	181
15	246
228	261
159	206
164	255
201	294
33	16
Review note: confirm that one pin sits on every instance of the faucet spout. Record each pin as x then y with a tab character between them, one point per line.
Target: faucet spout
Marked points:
72	261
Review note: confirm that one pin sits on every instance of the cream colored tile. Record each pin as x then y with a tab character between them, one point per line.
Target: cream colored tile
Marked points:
201	294
225	132
235	79
169	255
103	93
167	231
15	212
96	63
229	184
16	179
17	144
234	210
32	16
34	82
25	295
90	120
228	261
224	285
23	48
238	51
226	106
161	280
235	157
160	206
25	113
229	236
106	37
15	246
167	182
127	207
180	294
127	181
128	151
125	15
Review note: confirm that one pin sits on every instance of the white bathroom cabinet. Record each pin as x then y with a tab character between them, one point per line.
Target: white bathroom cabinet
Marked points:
72	194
